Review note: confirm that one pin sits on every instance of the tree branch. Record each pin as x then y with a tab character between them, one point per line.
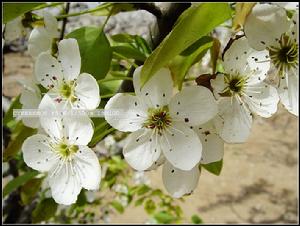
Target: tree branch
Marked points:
150	7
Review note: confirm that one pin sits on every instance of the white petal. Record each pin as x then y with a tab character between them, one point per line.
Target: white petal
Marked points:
87	92
179	182
295	24
237	120
37	153
87	166
194	105
78	129
265	24
13	29
39	41
47	70
51	124
158	162
289	93
218	85
289	5
51	24
157	91
69	56
141	149
64	183
262	99
30	99
241	59
181	146
125	112
212	144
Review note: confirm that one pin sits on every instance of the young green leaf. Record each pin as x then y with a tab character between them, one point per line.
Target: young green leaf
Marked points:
44	210
197	22
95	50
13	10
164	217
29	190
17	182
196	219
214	167
117	206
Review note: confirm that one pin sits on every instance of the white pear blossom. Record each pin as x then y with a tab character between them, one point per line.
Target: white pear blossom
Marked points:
161	123
64	154
179	182
242	92
30	99
268	27
14	29
42	36
61	76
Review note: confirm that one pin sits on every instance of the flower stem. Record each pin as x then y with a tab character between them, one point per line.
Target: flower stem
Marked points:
112	94
100	136
113	79
125	58
84	12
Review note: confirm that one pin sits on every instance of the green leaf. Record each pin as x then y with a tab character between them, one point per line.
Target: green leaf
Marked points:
13	10
15	104
15	144
197	22
196	219
214	167
17	182
143	189
44	210
118	206
164	217
181	64
105	8
95	50
29	190
129	52
150	206
139	201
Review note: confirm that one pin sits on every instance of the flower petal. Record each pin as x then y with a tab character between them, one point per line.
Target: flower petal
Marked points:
125	112
87	166
218	85
141	149
181	146
48	70
87	92
240	58
69	57
37	153
194	105
157	92
13	29
212	144
288	92
51	24
30	99
179	182
64	183
51	124
158	162
237	120
265	24
39	41
78	129
262	99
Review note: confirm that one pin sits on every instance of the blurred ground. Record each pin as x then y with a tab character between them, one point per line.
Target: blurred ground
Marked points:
259	180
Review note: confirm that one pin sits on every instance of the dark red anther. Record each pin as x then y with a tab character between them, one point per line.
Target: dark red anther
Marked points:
54	78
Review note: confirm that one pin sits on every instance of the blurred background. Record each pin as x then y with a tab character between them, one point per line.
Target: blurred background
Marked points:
259	179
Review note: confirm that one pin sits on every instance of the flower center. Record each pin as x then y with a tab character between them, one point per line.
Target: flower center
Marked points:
235	84
67	91
284	57
158	119
66	150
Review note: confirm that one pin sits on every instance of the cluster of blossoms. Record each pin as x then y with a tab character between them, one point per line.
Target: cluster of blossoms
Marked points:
179	130
60	147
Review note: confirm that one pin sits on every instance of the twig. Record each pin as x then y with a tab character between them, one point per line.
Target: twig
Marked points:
150	7
64	22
